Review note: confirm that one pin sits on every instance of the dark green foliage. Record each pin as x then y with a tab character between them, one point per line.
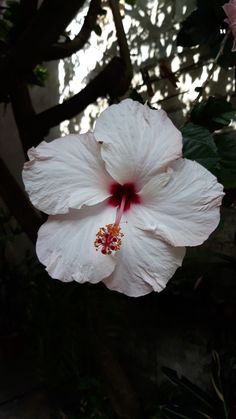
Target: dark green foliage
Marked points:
199	145
217	383
198	29
226	145
213	113
10	22
216	152
194	393
228	58
204	27
194	402
176	412
91	403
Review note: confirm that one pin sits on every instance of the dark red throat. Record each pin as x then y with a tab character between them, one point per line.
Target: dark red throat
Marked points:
119	191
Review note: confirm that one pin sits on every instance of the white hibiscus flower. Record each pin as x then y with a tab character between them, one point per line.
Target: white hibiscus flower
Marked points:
122	201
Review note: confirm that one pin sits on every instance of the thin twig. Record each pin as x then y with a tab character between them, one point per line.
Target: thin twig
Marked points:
211	71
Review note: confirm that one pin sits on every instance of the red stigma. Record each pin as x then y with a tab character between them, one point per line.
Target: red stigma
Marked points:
119	191
109	238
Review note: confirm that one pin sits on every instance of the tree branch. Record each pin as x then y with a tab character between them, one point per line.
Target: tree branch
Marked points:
111	80
23	112
28	8
48	24
121	37
66	49
18	204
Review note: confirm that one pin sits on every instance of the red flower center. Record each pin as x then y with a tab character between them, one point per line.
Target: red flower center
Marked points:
119	192
109	238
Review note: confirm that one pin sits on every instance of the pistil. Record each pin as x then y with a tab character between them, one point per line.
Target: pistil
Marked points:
108	238
120	210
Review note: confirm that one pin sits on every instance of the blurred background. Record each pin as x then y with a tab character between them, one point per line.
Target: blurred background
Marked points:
79	351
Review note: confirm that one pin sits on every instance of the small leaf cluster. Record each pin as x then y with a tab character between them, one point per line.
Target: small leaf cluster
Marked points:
41	74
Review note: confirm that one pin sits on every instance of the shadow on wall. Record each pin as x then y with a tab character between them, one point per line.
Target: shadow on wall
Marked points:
151	27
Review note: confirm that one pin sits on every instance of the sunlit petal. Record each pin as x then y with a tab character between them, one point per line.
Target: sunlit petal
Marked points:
137	141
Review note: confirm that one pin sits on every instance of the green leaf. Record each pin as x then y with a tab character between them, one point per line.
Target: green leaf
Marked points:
213	113
195	31
217	382
226	145
174	412
199	145
199	395
203	25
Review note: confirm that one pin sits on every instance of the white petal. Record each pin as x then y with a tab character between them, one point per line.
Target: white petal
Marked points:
137	141
144	263
66	245
66	173
186	210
